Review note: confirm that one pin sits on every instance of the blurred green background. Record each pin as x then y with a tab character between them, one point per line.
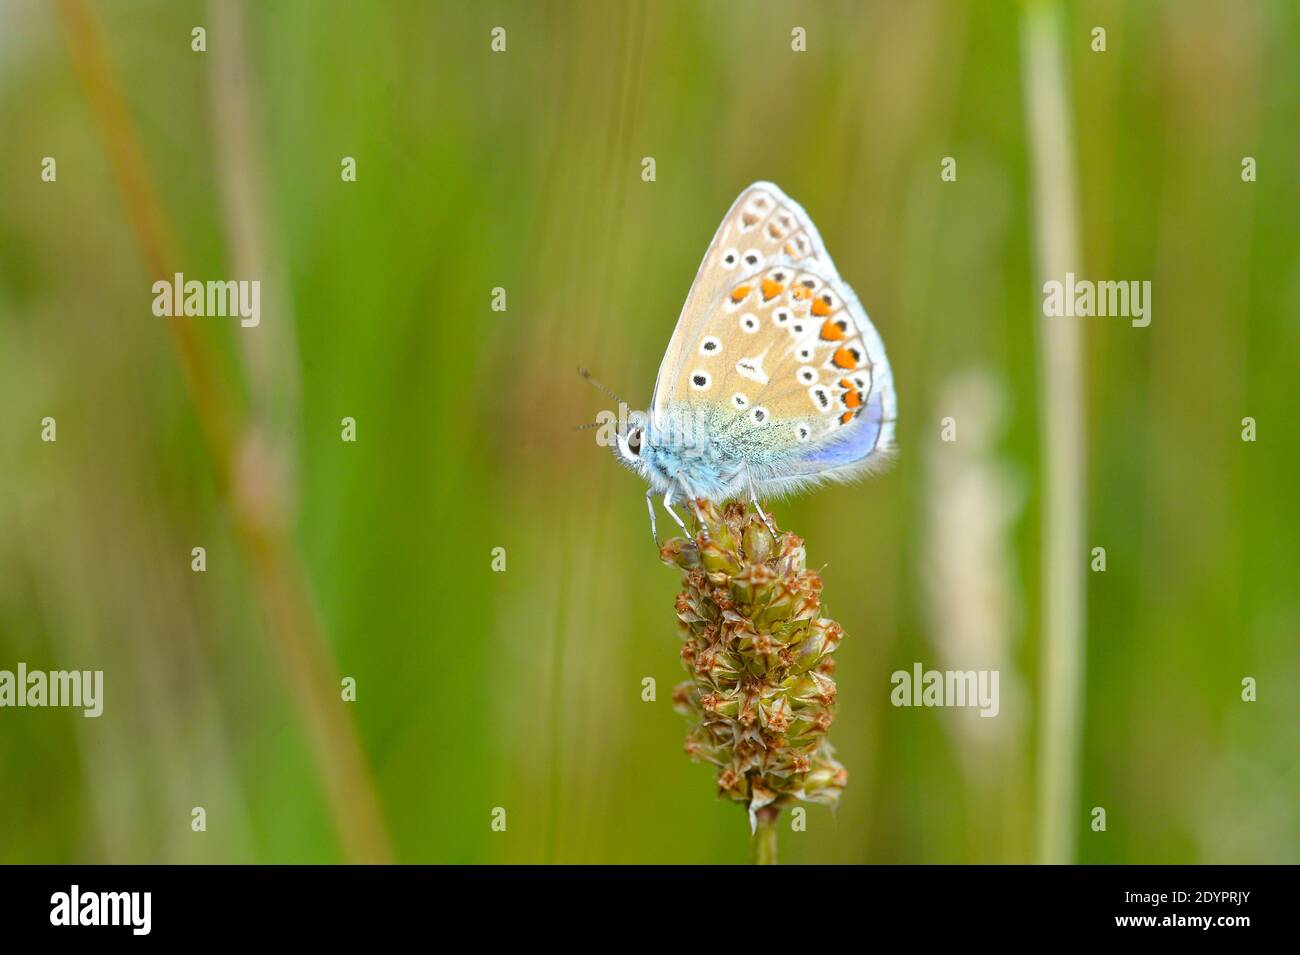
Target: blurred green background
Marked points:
522	170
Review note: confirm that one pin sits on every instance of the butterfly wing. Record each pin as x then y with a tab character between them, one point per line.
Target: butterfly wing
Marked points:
762	226
841	424
781	361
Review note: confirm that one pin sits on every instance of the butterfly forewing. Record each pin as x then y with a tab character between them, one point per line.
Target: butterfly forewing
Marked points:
764	227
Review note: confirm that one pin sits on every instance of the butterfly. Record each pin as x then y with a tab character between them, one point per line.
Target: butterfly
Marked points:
774	380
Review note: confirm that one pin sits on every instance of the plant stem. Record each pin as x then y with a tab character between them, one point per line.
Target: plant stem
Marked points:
765	836
1050	133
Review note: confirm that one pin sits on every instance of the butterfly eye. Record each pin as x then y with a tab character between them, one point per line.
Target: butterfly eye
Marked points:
634	442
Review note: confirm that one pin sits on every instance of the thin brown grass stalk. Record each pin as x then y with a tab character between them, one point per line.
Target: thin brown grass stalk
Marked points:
243	476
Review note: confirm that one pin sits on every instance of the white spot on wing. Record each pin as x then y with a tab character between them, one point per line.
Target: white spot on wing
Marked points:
752	368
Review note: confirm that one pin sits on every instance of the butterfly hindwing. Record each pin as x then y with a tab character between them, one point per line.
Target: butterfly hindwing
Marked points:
793	374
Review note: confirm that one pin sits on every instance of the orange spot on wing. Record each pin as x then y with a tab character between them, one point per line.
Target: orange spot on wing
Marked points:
832	331
799	292
846	417
845	383
852	399
739	294
771	289
845	359
820	308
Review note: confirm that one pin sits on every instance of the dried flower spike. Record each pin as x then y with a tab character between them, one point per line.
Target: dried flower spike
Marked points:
758	651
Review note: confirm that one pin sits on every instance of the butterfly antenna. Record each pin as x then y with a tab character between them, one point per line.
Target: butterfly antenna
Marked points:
602	388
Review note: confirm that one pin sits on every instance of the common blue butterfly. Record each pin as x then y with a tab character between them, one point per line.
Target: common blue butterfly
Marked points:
774	380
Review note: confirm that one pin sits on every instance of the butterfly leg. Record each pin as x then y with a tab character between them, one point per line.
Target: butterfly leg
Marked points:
753	499
668	506
699	519
695	504
650	506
